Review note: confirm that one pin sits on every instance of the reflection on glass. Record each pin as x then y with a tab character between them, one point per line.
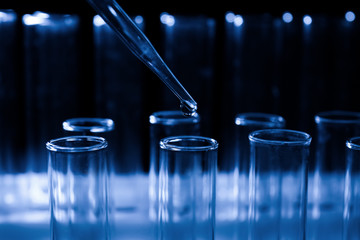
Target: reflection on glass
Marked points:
187	187
78	188
326	180
165	124
278	184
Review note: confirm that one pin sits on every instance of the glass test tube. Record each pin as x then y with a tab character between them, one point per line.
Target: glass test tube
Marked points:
78	188
232	199
287	65
278	184
182	37
326	180
245	124
10	96
351	193
12	167
187	187
316	85
120	198
248	68
119	81
165	124
344	72
248	39
51	89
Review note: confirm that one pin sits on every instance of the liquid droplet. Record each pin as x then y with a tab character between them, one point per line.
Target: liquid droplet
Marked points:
188	107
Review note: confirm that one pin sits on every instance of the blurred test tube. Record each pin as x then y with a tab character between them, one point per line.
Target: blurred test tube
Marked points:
189	50
51	91
119	87
12	167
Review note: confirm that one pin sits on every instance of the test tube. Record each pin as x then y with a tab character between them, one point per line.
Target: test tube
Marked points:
102	127
233	197
287	65
327	176
351	193
316	51
119	89
278	184
344	72
249	51
13	187
182	37
119	79
187	187
78	188
249	44
165	124
51	72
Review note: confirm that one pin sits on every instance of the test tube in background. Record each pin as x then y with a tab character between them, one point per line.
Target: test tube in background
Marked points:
232	198
247	81
165	124
278	184
189	51
344	72
316	89
12	134
88	126
118	197
351	193
119	80
187	187
119	91
51	91
287	67
327	177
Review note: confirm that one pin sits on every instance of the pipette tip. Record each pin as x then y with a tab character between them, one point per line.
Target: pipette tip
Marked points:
188	107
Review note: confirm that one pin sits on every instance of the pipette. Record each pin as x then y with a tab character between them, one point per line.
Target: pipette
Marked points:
140	46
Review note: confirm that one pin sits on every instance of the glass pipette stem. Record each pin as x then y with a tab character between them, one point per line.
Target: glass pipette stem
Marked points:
140	46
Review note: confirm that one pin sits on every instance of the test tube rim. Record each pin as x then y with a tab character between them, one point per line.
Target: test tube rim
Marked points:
259	119
168	143
338	117
353	143
98	144
104	125
172	117
300	138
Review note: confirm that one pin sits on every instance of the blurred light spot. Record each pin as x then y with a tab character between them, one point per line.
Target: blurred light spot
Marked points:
37	18
307	20
41	14
167	19
70	20
238	21
287	17
229	17
98	21
7	16
350	16
113	12
152	119
139	19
